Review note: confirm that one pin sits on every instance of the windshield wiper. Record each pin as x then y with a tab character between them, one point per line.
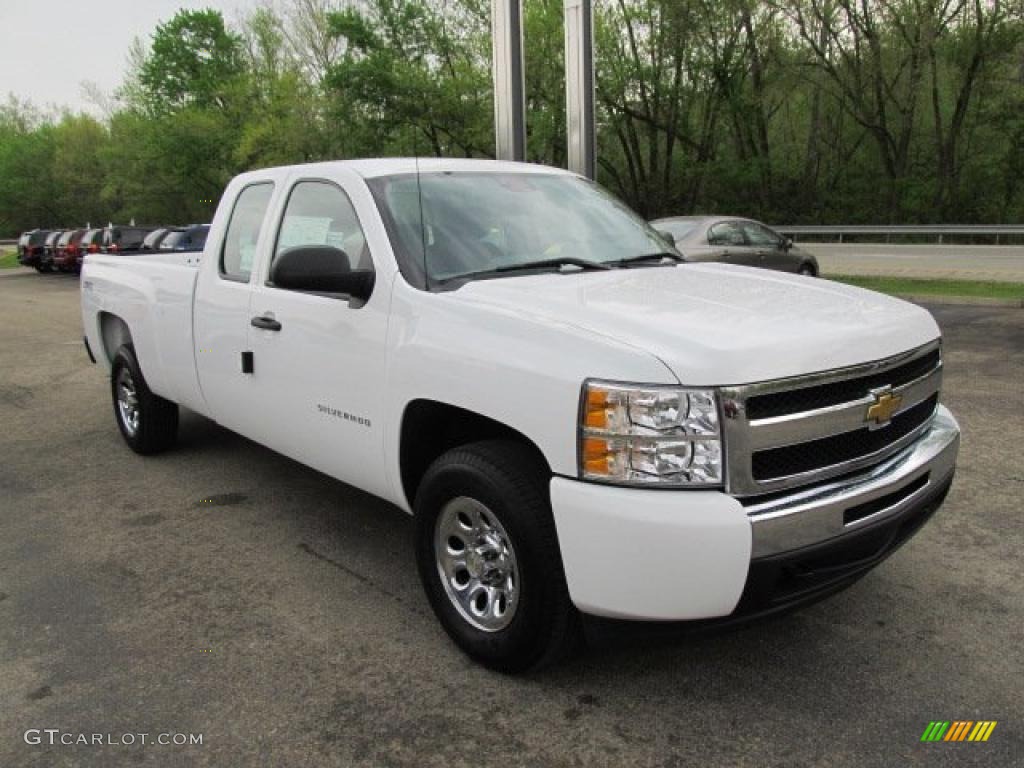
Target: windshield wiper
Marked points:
526	266
558	261
644	257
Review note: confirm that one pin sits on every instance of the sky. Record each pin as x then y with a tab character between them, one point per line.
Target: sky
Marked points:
50	46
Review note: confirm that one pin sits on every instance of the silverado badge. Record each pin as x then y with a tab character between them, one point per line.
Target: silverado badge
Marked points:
881	411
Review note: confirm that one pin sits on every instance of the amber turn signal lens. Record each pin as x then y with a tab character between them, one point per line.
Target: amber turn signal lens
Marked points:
596	456
597	409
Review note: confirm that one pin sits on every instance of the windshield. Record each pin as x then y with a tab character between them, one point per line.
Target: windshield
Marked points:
476	222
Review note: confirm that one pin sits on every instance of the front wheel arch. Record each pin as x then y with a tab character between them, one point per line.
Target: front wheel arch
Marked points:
430	428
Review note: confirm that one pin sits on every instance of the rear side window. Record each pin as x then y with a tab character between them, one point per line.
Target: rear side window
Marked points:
243	231
726	233
679	229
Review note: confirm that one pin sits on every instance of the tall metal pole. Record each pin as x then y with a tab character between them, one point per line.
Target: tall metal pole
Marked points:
579	86
509	81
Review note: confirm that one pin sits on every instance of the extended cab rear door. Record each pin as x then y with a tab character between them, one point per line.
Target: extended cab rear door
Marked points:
319	359
222	307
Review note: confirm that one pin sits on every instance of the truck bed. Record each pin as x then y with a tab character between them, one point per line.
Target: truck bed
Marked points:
153	293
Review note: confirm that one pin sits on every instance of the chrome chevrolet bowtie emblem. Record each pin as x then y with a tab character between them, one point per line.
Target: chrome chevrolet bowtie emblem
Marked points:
881	411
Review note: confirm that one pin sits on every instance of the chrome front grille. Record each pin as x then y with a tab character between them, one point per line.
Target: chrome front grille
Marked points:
792	432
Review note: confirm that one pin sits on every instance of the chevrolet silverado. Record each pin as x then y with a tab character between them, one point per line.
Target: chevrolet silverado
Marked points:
581	423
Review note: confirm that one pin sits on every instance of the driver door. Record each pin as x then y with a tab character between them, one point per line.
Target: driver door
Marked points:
768	245
318	359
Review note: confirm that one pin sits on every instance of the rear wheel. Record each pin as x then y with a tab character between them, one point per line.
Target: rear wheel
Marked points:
807	269
148	422
488	557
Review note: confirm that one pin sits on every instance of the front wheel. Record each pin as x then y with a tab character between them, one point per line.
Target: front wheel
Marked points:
807	270
148	422
488	557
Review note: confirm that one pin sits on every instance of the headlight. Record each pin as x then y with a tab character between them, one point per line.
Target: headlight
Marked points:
666	436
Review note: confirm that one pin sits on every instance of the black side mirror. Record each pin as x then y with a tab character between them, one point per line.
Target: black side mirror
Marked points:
667	236
320	269
787	243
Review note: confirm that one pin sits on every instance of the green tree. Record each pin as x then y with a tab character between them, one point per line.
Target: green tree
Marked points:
79	142
194	61
413	78
27	184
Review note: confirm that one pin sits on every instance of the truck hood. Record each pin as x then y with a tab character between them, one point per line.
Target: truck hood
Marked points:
718	324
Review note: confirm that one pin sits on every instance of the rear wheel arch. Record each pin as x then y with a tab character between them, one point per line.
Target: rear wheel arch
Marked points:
430	428
114	333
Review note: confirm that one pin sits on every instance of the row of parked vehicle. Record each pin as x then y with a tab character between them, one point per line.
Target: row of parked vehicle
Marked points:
62	250
700	238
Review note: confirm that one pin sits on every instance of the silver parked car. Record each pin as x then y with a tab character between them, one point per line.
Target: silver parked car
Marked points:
735	241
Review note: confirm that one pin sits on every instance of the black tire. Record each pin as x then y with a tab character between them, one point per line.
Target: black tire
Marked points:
808	269
511	483
156	427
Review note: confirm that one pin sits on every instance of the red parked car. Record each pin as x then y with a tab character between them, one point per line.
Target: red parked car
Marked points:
66	256
50	250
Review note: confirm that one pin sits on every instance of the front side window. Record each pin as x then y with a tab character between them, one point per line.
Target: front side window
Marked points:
760	235
320	213
239	250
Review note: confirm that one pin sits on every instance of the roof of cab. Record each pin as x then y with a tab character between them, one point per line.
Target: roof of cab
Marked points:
393	166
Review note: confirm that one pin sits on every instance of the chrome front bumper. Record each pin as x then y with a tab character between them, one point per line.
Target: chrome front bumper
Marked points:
789	521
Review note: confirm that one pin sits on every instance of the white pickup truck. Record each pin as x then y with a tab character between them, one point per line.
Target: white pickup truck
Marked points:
582	424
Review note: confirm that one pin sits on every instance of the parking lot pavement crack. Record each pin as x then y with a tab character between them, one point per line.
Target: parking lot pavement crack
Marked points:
362	578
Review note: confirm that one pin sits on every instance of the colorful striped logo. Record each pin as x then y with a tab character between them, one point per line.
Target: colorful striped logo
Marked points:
958	730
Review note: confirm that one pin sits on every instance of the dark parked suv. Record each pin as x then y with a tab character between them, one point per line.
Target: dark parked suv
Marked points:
66	257
31	245
191	238
124	239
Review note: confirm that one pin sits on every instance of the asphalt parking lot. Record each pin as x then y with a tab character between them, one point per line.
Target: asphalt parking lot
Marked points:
224	590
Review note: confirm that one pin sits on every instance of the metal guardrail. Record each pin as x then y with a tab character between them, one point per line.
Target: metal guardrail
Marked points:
997	231
8	242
